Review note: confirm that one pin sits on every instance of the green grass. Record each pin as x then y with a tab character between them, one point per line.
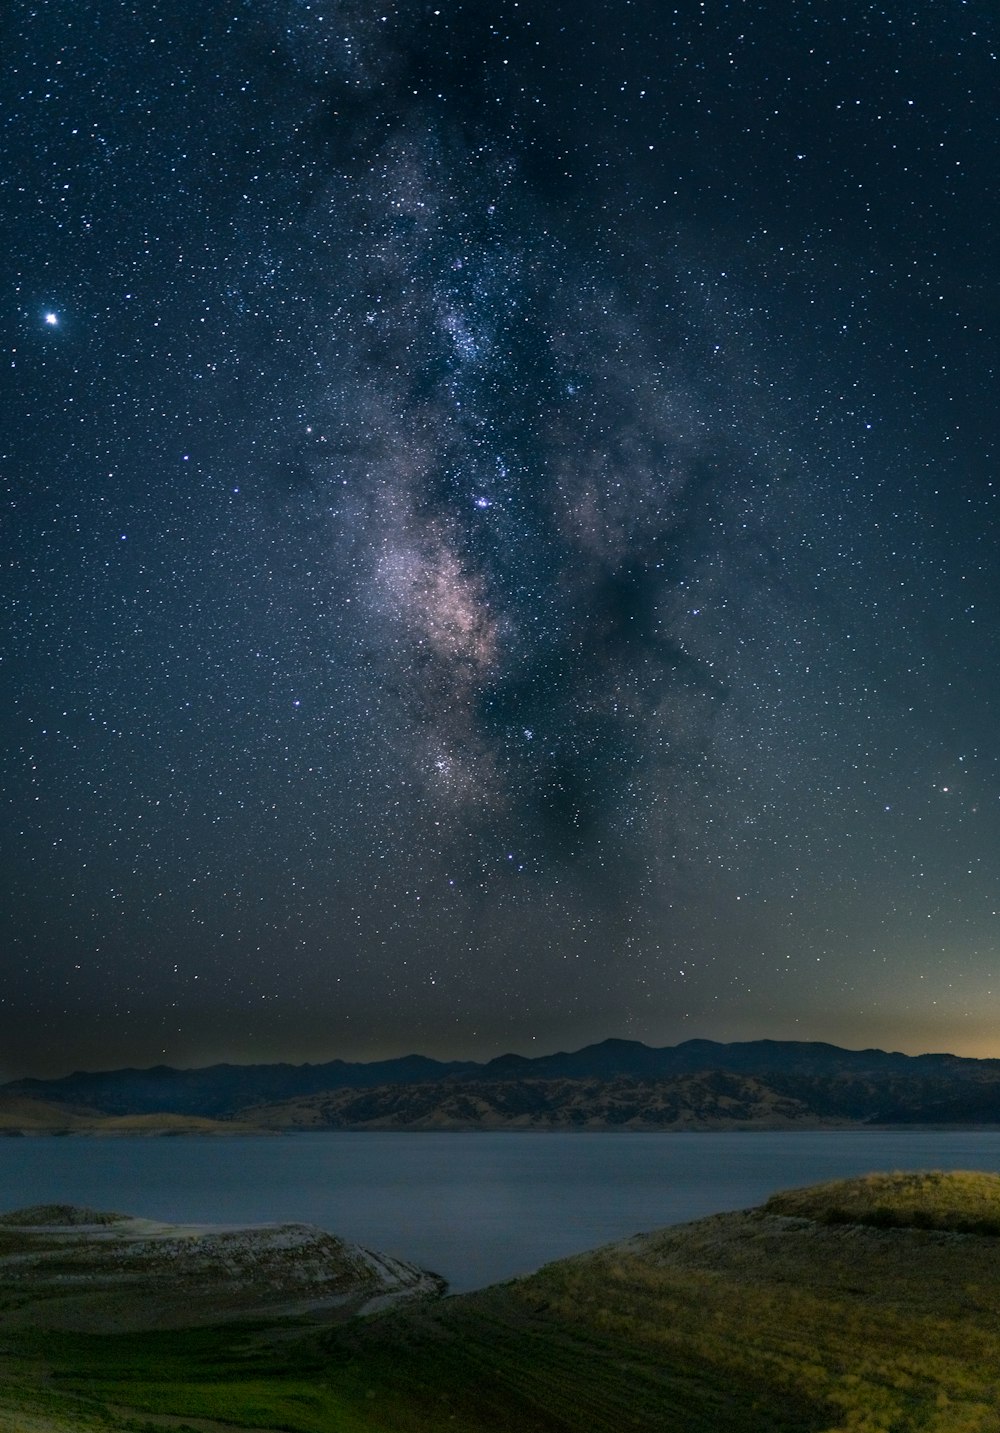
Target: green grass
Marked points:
490	1363
961	1201
836	1356
816	1314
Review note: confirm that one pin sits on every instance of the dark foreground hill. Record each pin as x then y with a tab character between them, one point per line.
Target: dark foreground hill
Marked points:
865	1306
802	1081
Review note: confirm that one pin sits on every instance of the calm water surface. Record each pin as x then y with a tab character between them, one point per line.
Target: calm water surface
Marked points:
476	1208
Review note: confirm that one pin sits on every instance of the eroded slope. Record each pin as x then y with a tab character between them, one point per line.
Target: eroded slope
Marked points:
69	1268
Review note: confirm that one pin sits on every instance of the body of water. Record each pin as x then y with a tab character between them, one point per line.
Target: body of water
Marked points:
476	1208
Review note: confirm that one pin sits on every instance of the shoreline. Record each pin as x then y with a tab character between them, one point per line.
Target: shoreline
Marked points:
819	1127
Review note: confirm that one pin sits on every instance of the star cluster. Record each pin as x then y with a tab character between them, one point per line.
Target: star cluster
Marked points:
498	537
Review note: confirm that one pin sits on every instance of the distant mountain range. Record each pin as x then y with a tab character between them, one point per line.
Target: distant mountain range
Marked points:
699	1084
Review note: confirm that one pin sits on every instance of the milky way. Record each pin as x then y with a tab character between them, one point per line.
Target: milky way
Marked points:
498	547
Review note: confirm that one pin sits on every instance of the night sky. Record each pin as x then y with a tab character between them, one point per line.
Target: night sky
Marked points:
499	532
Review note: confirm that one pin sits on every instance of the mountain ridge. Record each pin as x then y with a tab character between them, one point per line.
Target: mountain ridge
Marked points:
224	1090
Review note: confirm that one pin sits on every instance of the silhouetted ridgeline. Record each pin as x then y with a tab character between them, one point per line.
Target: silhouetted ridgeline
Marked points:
614	1084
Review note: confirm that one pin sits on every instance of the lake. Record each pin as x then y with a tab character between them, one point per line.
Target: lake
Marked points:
476	1208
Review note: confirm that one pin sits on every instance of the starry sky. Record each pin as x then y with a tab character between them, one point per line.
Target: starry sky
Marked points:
498	536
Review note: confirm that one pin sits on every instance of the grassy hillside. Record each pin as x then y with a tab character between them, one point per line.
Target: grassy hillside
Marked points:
793	1318
20	1115
962	1201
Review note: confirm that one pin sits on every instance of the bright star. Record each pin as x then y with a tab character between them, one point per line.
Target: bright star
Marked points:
52	319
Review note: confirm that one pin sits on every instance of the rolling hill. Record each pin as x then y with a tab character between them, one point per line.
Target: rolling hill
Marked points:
862	1306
